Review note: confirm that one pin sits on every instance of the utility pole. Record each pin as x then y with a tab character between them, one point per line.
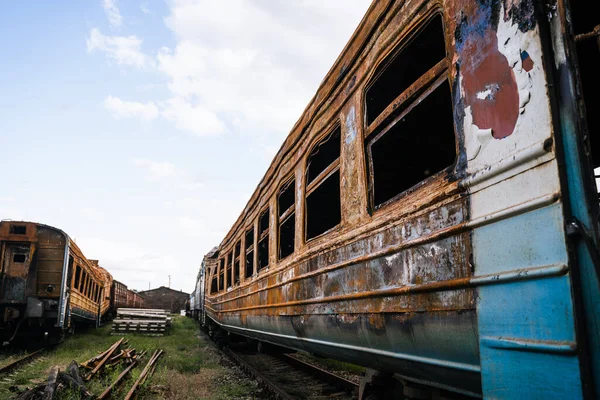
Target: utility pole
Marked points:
148	285
169	281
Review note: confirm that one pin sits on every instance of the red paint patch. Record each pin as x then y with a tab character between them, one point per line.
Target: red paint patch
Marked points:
490	86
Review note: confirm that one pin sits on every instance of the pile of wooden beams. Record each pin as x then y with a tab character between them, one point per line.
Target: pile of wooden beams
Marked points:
76	376
146	321
57	381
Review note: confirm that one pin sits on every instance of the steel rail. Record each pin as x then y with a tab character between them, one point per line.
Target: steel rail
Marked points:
23	360
259	376
298	365
331	378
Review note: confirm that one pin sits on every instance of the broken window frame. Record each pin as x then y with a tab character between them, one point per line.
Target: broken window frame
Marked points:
263	237
76	276
214	281
83	279
221	270
249	252
86	284
229	271
402	105
15	229
321	178
237	250
283	216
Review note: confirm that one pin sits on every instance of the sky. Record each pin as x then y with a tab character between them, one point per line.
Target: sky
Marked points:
142	127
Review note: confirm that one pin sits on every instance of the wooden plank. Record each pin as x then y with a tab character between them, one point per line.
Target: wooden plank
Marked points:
51	385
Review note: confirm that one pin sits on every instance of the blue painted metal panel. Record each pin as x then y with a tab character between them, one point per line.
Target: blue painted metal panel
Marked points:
582	205
526	326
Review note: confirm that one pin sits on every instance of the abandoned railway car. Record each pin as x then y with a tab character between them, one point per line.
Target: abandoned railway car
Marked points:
433	214
46	283
122	297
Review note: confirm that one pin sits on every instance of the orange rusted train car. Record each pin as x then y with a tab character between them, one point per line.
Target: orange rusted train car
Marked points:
47	285
433	214
122	297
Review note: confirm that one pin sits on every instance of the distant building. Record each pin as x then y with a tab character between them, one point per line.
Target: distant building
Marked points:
165	298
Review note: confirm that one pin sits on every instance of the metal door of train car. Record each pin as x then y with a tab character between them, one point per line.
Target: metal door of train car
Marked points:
15	271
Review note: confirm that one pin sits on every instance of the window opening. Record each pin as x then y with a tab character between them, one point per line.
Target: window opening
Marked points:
404	150
420	55
323	204
229	263
586	25
18	229
236	262
19	258
86	284
221	274
286	204
249	253
77	277
263	240
214	284
236	272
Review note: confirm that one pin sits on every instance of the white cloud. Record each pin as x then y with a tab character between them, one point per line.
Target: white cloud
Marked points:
192	118
124	109
242	65
156	170
134	265
144	8
112	12
124	50
255	64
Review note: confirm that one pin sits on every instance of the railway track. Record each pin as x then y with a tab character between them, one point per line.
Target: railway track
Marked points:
288	378
21	361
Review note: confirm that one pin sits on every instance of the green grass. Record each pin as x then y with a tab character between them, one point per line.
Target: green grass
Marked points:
189	369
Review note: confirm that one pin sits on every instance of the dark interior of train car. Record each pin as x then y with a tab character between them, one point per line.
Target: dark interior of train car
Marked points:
323	204
585	16
286	203
249	252
413	146
263	240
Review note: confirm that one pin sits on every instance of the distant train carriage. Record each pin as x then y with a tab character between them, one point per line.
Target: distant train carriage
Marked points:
122	297
46	283
119	295
433	214
107	282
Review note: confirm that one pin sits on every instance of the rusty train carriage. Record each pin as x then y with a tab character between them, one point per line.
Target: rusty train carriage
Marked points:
46	282
437	248
47	285
85	287
122	297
